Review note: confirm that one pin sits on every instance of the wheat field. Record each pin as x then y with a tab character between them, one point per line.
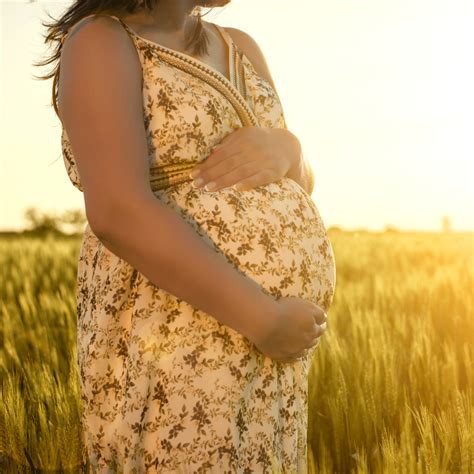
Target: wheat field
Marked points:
391	385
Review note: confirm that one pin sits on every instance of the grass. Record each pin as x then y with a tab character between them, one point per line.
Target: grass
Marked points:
391	386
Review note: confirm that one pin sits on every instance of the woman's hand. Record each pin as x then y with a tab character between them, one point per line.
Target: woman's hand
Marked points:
247	158
298	325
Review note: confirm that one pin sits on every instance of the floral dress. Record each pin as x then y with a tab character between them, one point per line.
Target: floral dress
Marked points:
165	387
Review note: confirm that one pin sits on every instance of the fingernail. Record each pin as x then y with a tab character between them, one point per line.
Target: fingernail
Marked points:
198	182
194	173
210	186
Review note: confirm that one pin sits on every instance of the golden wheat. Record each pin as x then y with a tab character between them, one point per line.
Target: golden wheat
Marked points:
391	384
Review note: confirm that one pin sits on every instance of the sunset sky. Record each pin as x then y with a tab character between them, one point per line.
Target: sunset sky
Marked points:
379	92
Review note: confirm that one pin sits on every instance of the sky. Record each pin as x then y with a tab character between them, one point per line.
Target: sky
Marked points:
379	93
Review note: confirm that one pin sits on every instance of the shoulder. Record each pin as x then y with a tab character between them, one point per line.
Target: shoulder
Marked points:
97	54
247	44
98	35
99	43
95	25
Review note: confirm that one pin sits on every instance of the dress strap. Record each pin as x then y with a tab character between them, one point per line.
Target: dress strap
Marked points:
225	35
236	70
230	52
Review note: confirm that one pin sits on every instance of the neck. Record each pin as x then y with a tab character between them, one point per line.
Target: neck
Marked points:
172	16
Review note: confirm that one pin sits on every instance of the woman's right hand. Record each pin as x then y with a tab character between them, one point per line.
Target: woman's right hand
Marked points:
296	328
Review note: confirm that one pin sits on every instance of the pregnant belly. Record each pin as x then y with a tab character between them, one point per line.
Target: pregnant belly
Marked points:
273	233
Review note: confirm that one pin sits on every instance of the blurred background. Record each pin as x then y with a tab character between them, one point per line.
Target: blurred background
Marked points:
379	93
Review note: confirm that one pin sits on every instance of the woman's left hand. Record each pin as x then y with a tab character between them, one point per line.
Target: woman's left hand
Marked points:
247	158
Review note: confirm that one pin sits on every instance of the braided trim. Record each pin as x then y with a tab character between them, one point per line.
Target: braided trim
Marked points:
215	80
207	74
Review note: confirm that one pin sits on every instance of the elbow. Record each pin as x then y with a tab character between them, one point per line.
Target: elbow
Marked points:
107	214
100	221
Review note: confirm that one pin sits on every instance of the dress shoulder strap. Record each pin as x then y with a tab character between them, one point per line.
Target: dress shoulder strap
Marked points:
225	35
236	67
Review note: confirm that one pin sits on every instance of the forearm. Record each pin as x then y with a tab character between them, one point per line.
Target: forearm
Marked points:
167	250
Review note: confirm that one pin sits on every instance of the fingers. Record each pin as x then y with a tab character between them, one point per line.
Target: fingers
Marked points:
225	175
313	338
320	319
301	354
313	342
232	171
262	178
318	329
320	316
295	358
213	169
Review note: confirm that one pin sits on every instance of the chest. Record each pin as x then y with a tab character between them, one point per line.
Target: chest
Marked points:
218	55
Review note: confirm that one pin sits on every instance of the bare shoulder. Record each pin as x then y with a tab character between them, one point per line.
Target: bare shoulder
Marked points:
247	44
95	27
96	51
100	38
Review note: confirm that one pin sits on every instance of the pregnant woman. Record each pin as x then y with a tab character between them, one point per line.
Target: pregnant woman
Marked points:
199	307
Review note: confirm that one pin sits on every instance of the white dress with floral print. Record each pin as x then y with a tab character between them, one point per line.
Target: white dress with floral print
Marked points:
165	387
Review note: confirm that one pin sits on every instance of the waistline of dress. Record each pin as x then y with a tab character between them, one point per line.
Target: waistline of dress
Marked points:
165	176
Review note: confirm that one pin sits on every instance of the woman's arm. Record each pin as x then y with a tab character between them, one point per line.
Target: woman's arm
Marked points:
101	107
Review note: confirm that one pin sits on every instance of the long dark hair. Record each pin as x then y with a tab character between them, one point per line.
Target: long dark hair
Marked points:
196	42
